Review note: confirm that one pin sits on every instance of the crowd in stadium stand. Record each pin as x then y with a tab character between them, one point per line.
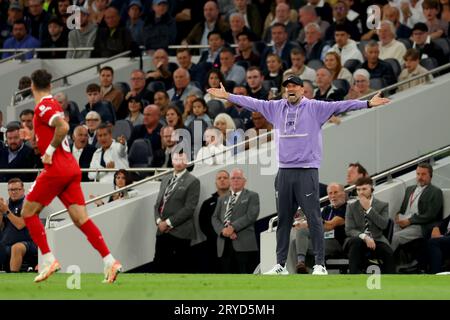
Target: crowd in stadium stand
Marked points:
249	46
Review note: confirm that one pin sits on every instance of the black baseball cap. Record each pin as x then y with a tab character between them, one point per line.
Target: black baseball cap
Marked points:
420	26
293	79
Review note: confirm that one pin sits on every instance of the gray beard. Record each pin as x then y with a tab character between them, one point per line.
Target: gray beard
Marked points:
293	100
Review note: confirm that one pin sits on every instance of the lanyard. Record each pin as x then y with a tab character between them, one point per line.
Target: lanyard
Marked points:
412	198
330	214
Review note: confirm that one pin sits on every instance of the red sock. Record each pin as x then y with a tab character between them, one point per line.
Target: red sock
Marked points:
95	237
37	233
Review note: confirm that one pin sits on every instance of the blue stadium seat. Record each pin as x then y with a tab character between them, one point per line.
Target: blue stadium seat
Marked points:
352	64
395	66
215	107
377	83
342	84
315	64
429	63
122	128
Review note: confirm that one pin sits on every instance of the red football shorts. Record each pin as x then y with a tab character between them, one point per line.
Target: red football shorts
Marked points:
48	186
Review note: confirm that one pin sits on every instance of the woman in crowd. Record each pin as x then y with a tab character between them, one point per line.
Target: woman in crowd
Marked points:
135	107
332	62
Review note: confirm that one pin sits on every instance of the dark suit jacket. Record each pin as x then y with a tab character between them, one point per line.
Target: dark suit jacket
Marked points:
243	218
195	36
85	159
378	220
285	55
430	207
24	159
180	206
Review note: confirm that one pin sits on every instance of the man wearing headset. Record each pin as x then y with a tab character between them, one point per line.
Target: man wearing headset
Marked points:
365	221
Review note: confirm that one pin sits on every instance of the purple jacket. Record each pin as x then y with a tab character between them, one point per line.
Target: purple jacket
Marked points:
298	128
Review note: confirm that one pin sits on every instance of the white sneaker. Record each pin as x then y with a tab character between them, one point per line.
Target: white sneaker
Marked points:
319	270
277	270
48	268
112	271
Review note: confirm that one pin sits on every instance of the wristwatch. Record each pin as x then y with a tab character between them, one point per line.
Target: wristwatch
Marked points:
5	214
368	104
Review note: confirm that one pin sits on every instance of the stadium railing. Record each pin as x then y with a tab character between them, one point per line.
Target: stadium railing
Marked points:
20	55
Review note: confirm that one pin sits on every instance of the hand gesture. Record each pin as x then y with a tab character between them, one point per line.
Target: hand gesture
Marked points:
220	93
404	223
370	243
122	139
46	159
436	233
377	100
364	202
233	236
110	165
3	205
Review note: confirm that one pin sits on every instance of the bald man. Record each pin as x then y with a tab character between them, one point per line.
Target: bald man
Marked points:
81	149
183	86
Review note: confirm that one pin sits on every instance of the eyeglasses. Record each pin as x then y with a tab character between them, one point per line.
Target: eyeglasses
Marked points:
15	189
360	81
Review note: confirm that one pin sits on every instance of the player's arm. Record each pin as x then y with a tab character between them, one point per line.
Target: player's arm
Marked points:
61	130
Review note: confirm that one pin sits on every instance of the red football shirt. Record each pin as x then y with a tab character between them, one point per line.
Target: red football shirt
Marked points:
44	113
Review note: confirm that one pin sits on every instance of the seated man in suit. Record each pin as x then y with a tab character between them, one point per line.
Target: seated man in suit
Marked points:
333	217
420	211
439	245
82	150
233	220
365	221
174	214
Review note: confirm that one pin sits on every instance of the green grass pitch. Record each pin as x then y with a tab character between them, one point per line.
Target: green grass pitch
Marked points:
223	287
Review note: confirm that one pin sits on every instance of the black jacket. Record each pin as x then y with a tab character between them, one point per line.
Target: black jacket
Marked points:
85	159
24	159
159	33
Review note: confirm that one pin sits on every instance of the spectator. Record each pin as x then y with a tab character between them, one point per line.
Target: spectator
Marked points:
57	38
274	70
445	12
24	83
323	9
112	39
340	11
20	39
15	242
137	87
411	12
174	118
355	171
121	179
281	17
38	20
163	69
215	45
98	10
16	155
227	127
237	26
315	47
245	49
333	64
427	48
199	112
26	119
134	22
333	217
160	29
150	130
389	47
293	16
392	14
93	121
306	15
174	215
213	151
81	150
214	78
83	37
412	69
15	13
255	80
182	86
237	112
201	31
438	245
250	13
230	70
325	89
95	103
61	11
208	248
2	130
361	85
108	92
420	211
261	126
135	107
111	154
184	59
437	28
281	47
71	106
234	222
168	142
299	68
308	89
365	221
162	100
345	46
377	68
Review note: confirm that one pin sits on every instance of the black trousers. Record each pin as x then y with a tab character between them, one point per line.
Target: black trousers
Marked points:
172	254
233	261
438	250
358	252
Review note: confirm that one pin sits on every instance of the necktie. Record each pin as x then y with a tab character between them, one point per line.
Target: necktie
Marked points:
366	226
102	159
227	217
169	189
